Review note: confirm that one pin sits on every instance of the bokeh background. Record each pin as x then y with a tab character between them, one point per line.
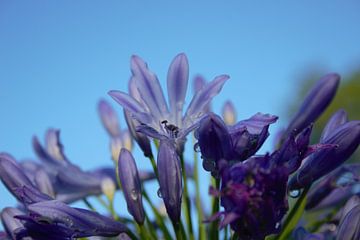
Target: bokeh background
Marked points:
58	58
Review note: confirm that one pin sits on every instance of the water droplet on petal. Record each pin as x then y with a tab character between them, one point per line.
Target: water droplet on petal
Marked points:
197	147
294	193
277	225
159	193
134	194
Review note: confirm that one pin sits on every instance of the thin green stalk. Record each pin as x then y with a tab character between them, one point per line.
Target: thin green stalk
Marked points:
153	164
150	227
88	204
142	231
202	231
131	235
158	217
293	214
177	230
214	232
187	203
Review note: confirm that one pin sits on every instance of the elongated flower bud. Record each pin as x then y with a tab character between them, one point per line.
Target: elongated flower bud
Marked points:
347	137
317	100
168	163
229	113
108	118
131	185
140	138
10	223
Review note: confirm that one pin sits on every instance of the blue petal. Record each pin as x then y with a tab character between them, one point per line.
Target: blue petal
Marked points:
149	88
177	81
202	98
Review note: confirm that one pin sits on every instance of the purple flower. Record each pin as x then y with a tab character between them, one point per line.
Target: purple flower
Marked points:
347	138
55	220
151	110
233	143
253	194
131	185
318	98
12	225
168	163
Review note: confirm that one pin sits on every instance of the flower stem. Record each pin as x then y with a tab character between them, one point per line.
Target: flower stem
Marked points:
177	230
202	231
214	232
187	200
293	214
159	219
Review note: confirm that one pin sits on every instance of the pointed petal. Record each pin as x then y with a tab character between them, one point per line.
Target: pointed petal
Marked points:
150	132
53	145
43	182
149	88
202	98
109	118
337	119
177	81
131	105
255	124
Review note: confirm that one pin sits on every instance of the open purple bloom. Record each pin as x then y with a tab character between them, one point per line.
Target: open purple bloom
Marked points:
168	163
131	185
151	110
253	194
347	138
317	100
233	143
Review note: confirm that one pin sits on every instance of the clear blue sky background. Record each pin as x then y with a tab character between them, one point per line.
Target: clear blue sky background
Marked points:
58	58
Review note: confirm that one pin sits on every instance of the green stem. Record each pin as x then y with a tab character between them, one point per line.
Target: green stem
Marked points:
177	230
285	231
150	227
158	217
202	231
214	232
153	164
187	203
88	204
131	235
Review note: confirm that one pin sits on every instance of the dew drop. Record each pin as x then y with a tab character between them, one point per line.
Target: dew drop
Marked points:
294	193
197	147
208	165
277	225
134	194
159	193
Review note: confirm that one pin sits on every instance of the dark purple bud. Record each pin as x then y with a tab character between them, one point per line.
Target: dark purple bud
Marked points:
140	138
349	227
15	181
337	119
317	100
75	222
214	141
109	118
11	224
229	113
131	185
346	137
168	164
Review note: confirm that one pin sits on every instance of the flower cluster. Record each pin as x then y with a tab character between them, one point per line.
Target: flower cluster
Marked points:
250	191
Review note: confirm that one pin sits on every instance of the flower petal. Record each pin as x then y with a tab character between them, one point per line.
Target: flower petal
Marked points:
177	81
131	105
149	88
109	118
338	118
202	98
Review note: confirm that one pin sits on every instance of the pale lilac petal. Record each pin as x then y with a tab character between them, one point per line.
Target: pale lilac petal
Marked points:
150	132
149	88
53	145
177	81
131	105
199	82
109	118
255	124
202	98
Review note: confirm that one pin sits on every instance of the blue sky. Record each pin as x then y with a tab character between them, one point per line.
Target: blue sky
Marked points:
58	58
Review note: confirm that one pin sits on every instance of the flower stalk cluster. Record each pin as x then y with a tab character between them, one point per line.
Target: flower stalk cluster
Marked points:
250	191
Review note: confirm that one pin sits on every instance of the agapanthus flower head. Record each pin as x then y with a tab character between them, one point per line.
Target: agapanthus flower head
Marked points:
254	197
156	119
314	104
